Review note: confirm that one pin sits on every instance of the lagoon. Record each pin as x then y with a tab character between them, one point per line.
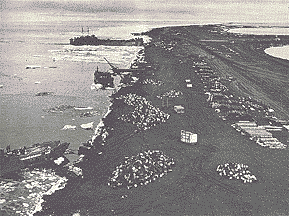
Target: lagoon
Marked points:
279	52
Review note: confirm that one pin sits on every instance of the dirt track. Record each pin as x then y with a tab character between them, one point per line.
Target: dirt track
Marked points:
193	187
262	77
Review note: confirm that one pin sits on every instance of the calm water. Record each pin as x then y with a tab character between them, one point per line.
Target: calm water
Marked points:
279	52
261	31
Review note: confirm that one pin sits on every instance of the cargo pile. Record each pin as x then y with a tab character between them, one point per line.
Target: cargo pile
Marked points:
74	169
141	169
171	94
144	115
236	171
260	134
150	81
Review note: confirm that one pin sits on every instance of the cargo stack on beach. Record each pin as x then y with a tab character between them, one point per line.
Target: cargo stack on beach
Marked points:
167	146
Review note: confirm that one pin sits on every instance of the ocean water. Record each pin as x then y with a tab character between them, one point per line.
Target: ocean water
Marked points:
261	31
65	70
40	37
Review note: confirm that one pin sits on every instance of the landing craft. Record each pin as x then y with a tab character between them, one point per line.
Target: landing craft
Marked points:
105	79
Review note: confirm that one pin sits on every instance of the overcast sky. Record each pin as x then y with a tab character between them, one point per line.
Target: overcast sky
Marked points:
129	5
255	10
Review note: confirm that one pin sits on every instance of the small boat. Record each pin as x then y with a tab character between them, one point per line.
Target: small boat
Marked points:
69	127
109	88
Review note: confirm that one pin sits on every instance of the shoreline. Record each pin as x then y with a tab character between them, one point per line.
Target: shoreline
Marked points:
174	60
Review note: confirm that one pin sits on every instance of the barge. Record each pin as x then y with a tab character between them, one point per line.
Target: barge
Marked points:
37	154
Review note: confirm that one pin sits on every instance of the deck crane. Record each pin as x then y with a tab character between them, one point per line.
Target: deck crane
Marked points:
114	68
118	71
106	80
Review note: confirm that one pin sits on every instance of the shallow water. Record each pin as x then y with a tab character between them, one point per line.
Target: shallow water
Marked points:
65	70
261	31
279	52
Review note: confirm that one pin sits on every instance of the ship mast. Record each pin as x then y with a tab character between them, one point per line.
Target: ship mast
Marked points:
87	30
82	30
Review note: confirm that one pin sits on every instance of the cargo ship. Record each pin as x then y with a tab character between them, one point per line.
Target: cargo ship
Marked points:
14	160
93	40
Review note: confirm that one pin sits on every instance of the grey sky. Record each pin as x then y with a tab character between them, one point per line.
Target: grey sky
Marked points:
130	5
196	10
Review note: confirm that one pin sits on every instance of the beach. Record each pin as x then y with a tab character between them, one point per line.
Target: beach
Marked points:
37	58
192	186
25	42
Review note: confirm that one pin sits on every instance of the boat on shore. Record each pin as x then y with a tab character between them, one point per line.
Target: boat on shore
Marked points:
104	79
37	154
